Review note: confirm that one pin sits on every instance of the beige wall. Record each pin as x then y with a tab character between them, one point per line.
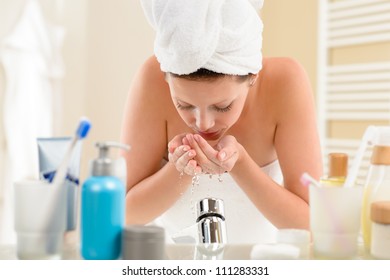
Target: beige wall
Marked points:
119	39
290	32
107	41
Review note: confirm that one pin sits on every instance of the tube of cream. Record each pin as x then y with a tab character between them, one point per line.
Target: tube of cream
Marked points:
51	152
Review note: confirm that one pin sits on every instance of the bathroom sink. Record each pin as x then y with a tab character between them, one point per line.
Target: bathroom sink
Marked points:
208	251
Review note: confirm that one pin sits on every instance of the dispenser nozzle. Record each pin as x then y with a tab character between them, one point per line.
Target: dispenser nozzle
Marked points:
103	165
104	146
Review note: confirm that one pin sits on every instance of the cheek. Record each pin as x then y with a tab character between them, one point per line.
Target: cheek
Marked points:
232	118
186	116
234	114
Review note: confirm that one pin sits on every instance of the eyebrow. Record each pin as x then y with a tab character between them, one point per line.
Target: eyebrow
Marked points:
179	100
223	101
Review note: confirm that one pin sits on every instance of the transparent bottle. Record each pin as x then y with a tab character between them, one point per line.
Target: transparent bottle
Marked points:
338	168
377	186
380	216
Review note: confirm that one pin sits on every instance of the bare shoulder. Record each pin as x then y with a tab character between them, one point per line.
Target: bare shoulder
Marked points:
282	71
149	86
284	83
145	111
151	68
149	76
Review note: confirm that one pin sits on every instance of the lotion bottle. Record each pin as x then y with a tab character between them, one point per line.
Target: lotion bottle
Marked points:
103	206
377	186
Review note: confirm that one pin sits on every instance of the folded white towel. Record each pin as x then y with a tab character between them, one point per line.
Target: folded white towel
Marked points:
223	36
274	252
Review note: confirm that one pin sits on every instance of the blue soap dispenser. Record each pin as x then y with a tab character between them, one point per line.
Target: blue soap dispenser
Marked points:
103	206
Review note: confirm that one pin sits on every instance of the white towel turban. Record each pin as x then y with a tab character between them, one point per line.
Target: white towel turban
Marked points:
224	36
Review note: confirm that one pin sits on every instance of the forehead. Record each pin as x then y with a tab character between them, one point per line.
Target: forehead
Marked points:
225	86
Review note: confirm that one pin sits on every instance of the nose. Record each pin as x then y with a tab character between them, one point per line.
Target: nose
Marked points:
204	120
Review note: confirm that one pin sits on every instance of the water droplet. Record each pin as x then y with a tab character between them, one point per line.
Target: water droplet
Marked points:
194	183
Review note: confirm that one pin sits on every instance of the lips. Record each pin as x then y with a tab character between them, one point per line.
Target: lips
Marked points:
210	135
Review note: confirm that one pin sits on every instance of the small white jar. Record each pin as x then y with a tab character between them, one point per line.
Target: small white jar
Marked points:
300	238
380	230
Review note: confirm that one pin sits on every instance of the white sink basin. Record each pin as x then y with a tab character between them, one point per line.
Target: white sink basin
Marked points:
206	252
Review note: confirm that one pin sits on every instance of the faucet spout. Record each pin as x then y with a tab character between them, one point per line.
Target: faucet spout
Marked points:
211	221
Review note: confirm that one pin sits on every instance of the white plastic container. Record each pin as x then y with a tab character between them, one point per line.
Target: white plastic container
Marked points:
380	242
40	219
297	237
335	221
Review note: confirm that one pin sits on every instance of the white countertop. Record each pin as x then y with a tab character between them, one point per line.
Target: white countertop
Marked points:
176	252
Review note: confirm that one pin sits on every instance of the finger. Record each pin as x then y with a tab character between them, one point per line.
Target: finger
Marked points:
182	162
227	148
175	142
178	152
201	156
208	162
226	154
192	168
207	149
185	141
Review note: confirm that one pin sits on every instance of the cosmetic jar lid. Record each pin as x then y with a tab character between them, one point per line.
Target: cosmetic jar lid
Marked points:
338	164
380	155
380	212
139	232
207	206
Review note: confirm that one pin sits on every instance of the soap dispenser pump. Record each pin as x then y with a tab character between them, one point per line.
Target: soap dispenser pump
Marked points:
103	206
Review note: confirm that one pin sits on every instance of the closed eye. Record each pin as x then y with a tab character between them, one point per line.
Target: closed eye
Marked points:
184	107
216	108
224	109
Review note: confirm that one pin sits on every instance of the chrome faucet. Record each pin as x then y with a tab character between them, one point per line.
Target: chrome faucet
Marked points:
211	221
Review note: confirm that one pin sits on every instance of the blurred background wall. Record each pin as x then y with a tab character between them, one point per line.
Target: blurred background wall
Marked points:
107	41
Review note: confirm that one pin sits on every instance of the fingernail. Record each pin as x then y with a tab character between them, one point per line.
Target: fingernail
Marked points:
185	148
197	138
222	155
191	153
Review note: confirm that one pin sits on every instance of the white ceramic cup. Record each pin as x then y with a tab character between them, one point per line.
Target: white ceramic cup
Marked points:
40	219
335	221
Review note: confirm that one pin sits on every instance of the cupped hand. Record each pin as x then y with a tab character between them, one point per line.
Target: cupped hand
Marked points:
182	156
214	160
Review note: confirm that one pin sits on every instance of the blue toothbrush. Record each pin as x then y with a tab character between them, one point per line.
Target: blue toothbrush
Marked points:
81	133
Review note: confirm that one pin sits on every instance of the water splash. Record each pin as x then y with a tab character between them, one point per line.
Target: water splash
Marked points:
194	184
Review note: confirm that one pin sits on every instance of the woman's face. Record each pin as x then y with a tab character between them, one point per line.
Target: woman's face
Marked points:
210	108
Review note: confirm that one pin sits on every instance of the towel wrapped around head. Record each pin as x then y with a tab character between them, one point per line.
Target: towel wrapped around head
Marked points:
224	36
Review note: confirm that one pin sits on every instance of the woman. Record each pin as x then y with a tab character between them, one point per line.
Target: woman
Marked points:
209	104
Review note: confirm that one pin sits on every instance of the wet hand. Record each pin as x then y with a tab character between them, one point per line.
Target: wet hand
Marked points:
182	156
214	160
